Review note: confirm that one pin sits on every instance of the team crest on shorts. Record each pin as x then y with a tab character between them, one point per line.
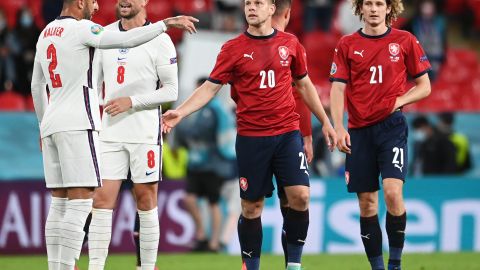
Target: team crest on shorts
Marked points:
347	177
96	29
284	53
243	183
394	49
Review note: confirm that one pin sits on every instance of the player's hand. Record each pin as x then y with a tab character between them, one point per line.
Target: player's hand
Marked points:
343	143
330	136
118	105
182	22
170	119
398	104
308	147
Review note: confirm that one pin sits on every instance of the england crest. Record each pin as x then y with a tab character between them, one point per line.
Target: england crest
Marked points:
394	49
283	52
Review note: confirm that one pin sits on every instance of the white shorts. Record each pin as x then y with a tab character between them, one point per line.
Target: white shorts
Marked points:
70	159
143	161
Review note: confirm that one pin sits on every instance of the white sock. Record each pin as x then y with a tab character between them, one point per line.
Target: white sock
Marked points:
99	237
149	237
52	231
72	232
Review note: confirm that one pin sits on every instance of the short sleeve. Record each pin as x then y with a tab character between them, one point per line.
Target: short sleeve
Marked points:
89	33
299	65
339	71
222	72
415	58
167	55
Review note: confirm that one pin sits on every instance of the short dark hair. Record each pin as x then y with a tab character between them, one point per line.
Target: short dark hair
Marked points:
281	5
447	118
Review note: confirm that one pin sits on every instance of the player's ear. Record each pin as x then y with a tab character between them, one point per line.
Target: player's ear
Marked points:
287	14
272	9
80	4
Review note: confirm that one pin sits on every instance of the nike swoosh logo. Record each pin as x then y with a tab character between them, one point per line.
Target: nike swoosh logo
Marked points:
149	173
120	59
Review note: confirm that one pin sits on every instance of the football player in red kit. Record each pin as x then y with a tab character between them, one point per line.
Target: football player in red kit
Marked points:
374	62
260	65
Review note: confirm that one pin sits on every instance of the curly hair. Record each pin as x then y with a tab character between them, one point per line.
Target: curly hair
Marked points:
395	5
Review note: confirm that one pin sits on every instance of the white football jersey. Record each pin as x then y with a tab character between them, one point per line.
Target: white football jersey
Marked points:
64	63
148	75
67	63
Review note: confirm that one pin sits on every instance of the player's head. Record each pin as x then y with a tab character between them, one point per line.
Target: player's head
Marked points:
83	8
257	12
377	12
281	17
128	9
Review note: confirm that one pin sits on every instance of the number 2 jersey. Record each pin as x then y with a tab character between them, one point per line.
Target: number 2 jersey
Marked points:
260	71
375	69
64	62
148	75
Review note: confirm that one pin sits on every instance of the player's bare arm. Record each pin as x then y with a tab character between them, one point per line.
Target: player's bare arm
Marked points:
337	102
309	95
420	91
199	98
308	147
182	22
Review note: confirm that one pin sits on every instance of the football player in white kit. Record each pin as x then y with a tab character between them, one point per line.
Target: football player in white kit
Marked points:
137	82
70	119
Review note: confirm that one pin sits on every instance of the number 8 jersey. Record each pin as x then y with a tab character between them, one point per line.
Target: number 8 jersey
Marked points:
375	69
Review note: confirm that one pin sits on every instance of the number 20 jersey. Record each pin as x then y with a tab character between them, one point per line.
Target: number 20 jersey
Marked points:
375	69
260	71
66	60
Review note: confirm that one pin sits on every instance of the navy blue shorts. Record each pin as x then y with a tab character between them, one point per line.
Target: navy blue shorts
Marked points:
259	158
380	149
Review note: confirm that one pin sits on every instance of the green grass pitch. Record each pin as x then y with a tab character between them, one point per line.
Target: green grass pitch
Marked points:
436	261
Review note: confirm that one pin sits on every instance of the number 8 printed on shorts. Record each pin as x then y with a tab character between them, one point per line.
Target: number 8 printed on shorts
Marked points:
151	159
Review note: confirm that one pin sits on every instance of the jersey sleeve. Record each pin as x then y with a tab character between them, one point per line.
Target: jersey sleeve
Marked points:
299	63
222	72
167	72
38	86
94	35
415	58
339	70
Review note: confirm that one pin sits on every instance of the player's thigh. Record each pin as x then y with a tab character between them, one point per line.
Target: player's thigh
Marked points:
105	197
146	195
361	168
254	159
145	162
391	136
115	161
51	163
289	162
79	160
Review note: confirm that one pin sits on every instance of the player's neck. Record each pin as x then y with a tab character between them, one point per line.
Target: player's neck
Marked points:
262	30
68	11
375	30
134	22
277	25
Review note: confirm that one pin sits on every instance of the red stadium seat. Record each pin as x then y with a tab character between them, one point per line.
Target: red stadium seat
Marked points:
107	13
193	6
29	104
11	7
296	19
11	101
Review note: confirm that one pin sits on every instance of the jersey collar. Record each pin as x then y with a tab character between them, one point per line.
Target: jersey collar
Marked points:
147	22
64	17
374	37
262	37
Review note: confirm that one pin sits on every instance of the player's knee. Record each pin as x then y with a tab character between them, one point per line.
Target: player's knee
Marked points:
146	202
101	200
300	201
368	206
252	209
392	196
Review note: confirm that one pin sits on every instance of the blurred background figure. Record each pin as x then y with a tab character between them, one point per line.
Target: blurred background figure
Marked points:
446	121
318	15
434	153
209	136
431	30
7	62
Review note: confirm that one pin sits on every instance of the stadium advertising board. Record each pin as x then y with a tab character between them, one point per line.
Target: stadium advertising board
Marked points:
443	215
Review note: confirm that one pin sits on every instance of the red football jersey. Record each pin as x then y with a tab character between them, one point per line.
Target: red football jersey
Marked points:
260	70
375	69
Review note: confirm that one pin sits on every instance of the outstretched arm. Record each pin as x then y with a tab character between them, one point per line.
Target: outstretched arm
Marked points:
199	98
105	39
309	95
